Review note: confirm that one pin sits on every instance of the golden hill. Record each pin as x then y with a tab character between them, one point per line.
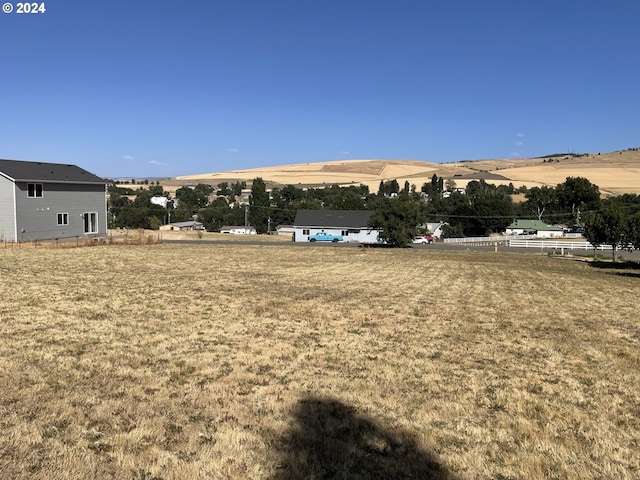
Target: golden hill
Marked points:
615	173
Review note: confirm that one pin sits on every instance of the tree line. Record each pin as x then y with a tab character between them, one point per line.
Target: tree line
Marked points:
479	210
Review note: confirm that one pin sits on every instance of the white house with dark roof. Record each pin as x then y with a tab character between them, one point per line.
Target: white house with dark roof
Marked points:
352	225
46	201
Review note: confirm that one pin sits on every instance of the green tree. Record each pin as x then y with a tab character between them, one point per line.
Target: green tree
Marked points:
235	216
154	222
491	214
143	199
609	226
291	194
223	189
459	214
259	201
212	217
483	210
187	198
388	188
634	230
156	191
539	199
397	219
578	193
450	185
449	231
237	187
203	191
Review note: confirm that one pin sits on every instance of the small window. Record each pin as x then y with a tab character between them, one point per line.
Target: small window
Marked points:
345	233
305	232
34	190
63	219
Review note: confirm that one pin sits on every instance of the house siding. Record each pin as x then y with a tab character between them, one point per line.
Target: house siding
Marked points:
7	211
352	225
357	235
38	217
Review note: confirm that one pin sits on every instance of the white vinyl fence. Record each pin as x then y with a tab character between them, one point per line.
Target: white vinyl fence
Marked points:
556	245
503	239
491	240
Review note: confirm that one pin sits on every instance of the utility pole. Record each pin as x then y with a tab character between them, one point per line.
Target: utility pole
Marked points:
246	217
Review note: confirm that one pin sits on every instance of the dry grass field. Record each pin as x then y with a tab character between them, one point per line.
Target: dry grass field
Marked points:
614	172
281	362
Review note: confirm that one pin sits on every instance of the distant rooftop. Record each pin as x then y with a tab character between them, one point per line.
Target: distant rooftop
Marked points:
533	225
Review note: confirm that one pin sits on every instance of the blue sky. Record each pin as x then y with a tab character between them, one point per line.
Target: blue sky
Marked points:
161	88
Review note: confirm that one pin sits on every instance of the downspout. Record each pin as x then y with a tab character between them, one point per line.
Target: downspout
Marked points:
106	212
15	214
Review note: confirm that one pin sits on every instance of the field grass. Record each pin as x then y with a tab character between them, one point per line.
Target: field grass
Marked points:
282	362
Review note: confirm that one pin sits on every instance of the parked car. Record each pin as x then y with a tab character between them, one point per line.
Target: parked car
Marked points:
325	237
422	239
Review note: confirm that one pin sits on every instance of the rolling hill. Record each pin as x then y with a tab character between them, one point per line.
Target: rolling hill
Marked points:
615	172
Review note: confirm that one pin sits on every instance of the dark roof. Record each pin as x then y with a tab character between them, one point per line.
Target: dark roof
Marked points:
190	223
20	171
333	218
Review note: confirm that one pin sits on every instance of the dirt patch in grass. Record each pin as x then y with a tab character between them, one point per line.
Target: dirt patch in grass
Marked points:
235	361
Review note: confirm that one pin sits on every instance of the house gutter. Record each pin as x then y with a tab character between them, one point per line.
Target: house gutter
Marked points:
66	182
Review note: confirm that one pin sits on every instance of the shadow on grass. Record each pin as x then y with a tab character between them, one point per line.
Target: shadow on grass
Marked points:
330	440
625	269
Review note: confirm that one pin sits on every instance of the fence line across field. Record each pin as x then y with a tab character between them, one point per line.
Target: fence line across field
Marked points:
503	238
544	244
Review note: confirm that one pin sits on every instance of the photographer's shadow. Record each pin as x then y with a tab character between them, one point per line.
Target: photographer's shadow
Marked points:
330	440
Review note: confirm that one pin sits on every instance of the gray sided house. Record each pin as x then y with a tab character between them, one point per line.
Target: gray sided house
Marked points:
45	201
352	225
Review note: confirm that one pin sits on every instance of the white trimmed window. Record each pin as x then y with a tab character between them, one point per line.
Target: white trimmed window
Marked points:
305	232
34	190
90	222
63	219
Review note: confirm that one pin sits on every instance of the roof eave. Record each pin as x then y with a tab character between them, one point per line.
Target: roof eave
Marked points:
67	182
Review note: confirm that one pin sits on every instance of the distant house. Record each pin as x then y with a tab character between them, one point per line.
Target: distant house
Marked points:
238	230
285	230
159	200
534	227
352	225
435	229
46	201
183	226
447	193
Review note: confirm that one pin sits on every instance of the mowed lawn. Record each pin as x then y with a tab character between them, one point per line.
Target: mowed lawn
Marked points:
282	362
